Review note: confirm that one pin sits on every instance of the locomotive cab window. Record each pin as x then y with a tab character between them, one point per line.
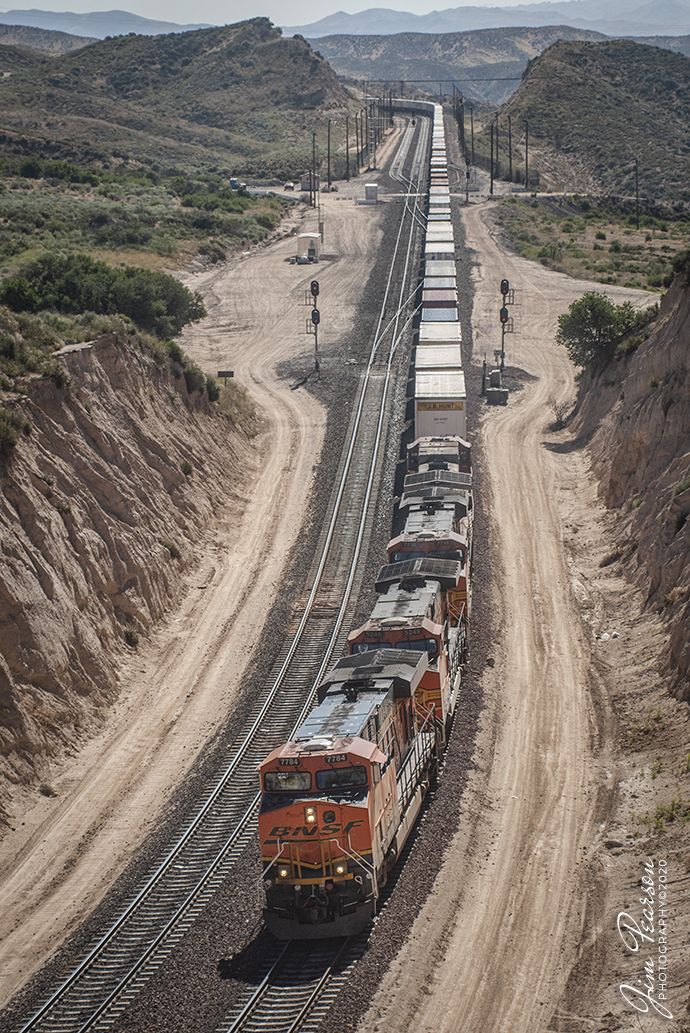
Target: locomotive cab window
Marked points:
287	781
341	778
445	554
419	645
366	647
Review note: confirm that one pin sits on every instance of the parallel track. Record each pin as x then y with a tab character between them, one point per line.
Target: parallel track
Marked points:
117	967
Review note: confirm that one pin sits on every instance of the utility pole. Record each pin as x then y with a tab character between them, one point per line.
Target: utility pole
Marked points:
637	196
366	130
472	131
329	154
498	164
510	152
526	156
357	142
347	148
491	188
313	165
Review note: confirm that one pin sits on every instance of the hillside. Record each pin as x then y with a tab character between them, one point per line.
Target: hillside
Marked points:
235	94
679	44
42	39
116	479
456	56
602	106
636	415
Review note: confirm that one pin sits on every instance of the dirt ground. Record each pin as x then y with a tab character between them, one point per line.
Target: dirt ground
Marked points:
519	933
67	850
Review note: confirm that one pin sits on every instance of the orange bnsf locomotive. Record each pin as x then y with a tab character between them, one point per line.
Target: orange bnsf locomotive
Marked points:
339	801
414	611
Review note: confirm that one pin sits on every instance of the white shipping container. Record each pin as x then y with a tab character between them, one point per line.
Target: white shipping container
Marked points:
437	357
440	404
439	333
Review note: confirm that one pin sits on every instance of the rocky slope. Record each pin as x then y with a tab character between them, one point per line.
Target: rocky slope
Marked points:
102	501
636	416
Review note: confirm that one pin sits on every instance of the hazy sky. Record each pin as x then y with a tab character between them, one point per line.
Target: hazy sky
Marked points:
223	12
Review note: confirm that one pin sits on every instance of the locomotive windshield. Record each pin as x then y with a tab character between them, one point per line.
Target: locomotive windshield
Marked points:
420	645
365	647
338	778
445	554
287	781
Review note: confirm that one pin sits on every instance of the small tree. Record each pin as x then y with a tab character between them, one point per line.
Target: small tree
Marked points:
592	327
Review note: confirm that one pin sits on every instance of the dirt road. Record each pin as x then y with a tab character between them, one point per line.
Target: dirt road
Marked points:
68	850
494	945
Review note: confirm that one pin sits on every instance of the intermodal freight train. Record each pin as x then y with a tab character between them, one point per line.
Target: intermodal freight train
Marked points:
339	801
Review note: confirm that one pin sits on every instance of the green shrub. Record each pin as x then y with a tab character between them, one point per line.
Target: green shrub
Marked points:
194	379
11	422
131	637
681	487
171	547
76	283
186	467
628	346
175	352
212	388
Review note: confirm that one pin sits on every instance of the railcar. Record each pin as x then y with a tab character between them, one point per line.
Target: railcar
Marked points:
419	608
339	800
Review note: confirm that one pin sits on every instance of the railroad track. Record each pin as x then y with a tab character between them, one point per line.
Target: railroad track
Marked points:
297	989
119	964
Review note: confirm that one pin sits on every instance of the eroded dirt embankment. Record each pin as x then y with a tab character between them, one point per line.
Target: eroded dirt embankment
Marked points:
101	506
636	415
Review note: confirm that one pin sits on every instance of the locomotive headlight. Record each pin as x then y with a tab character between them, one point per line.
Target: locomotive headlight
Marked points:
310	815
283	873
341	868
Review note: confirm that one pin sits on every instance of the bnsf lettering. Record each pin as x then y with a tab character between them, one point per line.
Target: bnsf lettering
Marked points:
287	831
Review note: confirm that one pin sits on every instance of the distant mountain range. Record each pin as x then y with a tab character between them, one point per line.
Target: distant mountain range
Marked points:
611	17
96	24
486	64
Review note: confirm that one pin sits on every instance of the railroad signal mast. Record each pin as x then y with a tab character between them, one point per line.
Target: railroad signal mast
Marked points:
315	320
504	317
